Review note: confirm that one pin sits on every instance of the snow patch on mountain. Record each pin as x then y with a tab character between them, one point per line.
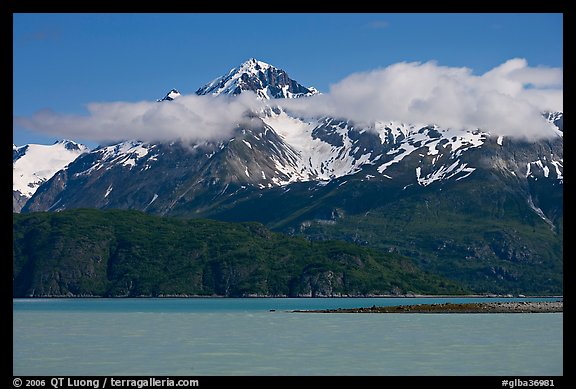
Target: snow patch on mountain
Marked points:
444	173
543	165
328	148
557	165
34	164
129	153
108	191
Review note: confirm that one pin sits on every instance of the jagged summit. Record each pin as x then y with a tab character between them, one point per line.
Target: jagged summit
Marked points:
71	145
267	81
173	94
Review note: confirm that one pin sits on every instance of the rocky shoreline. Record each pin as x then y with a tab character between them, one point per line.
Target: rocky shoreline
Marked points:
495	307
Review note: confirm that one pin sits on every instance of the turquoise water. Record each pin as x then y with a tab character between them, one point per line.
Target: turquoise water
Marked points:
243	337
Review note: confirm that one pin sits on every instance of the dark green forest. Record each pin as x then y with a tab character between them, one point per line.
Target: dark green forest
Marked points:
115	253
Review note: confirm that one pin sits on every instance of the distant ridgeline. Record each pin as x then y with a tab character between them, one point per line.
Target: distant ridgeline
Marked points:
128	253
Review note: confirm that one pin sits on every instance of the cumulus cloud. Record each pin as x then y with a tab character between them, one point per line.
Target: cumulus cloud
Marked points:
189	118
507	100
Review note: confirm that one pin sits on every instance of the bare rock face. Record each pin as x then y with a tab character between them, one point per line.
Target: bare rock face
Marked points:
18	201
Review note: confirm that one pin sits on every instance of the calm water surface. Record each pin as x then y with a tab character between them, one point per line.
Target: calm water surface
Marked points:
243	337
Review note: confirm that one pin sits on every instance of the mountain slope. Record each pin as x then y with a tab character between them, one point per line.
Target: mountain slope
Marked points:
34	164
466	204
481	231
127	253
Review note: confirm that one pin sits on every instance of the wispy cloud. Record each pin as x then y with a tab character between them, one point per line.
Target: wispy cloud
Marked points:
190	118
507	100
377	24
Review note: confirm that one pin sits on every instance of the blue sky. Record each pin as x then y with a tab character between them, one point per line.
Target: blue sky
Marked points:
64	61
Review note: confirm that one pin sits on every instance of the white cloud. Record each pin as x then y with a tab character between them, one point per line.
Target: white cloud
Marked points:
190	118
507	100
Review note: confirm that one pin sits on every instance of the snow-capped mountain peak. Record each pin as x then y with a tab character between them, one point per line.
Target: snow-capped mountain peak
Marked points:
285	149
252	66
173	94
71	145
33	164
267	81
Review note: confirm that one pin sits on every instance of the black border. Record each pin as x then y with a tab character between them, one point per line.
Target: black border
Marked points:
297	6
9	7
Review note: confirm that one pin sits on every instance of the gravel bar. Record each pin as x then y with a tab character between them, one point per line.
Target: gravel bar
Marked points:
496	307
